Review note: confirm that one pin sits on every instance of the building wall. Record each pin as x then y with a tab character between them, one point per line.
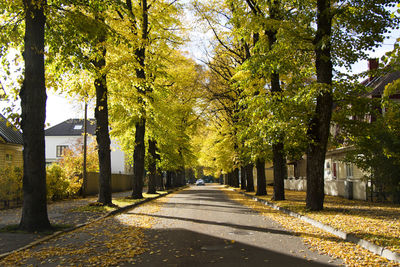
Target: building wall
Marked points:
119	183
340	184
117	158
15	151
53	141
331	188
117	155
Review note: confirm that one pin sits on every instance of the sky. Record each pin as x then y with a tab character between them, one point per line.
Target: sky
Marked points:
61	107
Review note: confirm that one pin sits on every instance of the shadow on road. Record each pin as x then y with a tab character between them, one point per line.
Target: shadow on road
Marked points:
179	247
241	227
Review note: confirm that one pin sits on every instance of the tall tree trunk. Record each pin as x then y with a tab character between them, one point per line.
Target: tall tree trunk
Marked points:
151	189
160	180
318	130
139	150
242	177
174	179
138	159
261	180
230	178
33	105
182	177
181	171
279	160
249	178
236	177
102	134
280	171
168	182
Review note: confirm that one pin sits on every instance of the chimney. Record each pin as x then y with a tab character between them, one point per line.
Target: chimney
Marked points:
373	64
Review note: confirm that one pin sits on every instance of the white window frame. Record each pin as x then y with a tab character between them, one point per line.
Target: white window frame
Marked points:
349	170
60	150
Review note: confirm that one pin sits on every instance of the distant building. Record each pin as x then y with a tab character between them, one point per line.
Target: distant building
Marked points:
11	144
70	132
343	178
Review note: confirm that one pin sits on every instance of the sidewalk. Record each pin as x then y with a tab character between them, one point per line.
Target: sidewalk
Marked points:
69	213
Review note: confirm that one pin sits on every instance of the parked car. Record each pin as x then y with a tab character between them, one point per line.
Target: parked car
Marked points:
200	182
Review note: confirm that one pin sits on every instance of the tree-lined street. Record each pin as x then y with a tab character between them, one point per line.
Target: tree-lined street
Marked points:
272	104
199	226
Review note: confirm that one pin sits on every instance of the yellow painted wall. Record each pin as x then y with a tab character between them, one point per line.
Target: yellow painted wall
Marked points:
16	153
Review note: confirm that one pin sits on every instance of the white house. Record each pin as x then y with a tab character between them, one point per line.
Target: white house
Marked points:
69	133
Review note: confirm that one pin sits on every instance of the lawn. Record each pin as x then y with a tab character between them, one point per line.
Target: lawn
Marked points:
117	203
339	212
375	222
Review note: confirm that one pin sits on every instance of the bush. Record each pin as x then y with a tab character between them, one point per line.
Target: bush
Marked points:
10	183
58	185
72	160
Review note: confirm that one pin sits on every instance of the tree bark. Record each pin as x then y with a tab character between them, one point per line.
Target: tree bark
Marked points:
33	105
139	150
242	177
102	134
318	130
182	177
168	182
280	171
181	171
174	179
235	177
279	160
230	178
138	159
151	188
249	178
160	180
261	180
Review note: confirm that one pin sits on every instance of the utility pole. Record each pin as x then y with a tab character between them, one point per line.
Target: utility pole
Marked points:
84	152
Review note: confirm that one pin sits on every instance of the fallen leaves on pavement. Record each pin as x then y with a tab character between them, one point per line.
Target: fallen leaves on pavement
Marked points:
107	242
315	238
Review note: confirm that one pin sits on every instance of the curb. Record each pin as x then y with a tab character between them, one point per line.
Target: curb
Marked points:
378	250
109	214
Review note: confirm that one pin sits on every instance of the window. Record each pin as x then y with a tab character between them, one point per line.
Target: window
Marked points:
349	170
334	170
60	150
9	157
78	127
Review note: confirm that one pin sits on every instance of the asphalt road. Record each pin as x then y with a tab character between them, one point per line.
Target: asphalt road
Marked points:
198	226
201	226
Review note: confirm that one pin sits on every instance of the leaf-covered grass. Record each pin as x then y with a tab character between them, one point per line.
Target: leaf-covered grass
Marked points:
93	208
117	203
14	228
110	242
376	222
315	238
